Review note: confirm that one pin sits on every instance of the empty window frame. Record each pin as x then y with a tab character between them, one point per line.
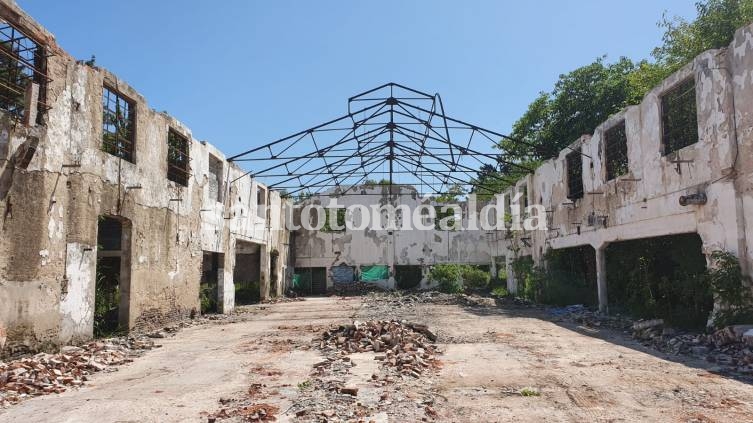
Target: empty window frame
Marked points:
261	201
678	116
339	216
215	179
615	151
118	124
177	158
574	175
22	62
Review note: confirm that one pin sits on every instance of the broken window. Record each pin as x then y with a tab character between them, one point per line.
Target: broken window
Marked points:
177	158
215	179
449	213
574	175
615	151
261	202
117	124
22	62
340	220
678	116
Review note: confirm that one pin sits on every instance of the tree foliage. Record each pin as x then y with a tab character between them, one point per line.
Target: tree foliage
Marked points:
586	96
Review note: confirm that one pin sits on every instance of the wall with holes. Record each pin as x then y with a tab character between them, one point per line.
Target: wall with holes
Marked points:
57	179
388	247
647	199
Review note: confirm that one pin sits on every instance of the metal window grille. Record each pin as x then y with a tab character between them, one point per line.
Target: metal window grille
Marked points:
177	158
118	121
615	150
22	62
574	175
679	117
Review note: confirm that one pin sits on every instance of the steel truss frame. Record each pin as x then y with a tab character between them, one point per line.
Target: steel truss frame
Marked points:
394	131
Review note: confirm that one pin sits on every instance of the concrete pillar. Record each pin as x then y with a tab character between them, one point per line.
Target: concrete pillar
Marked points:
31	98
512	282
601	276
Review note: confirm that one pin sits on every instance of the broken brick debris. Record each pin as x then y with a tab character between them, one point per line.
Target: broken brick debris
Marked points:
398	344
44	373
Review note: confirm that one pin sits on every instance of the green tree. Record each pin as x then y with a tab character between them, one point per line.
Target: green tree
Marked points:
580	101
585	97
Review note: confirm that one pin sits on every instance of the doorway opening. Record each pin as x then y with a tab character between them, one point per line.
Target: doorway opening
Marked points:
112	284
408	277
310	280
247	273
211	266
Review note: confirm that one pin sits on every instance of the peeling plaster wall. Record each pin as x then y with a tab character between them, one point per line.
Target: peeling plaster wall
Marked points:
645	202
50	210
386	247
640	204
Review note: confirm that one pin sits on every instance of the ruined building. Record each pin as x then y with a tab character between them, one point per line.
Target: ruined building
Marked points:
113	214
677	164
102	196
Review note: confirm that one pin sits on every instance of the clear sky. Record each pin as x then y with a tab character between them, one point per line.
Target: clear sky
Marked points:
244	73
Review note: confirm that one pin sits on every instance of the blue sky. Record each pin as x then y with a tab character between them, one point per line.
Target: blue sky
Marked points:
243	73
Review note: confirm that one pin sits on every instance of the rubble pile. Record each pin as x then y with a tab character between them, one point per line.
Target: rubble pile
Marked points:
401	345
44	373
283	299
355	288
247	413
730	348
578	313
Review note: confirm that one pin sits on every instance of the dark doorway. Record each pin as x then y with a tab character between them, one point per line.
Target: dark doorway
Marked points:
408	277
111	288
247	273
571	277
209	288
310	280
662	277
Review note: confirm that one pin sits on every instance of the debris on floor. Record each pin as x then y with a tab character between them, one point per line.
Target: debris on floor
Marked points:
402	345
729	348
247	413
406	358
44	373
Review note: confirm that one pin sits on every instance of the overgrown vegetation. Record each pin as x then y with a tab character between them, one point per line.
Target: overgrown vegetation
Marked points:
208	298
585	97
106	300
731	289
663	277
247	292
500	291
454	278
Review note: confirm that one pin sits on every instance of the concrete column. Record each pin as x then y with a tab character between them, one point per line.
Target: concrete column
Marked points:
512	282
601	276
31	98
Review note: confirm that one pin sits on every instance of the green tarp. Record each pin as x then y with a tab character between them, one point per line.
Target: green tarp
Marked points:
296	281
374	273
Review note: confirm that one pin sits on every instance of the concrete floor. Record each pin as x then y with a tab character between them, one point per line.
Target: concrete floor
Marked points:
491	354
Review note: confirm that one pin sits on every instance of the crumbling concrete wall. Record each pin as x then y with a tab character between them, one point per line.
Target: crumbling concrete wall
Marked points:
51	208
645	202
388	247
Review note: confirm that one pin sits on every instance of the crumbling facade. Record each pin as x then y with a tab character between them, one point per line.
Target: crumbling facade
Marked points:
91	177
382	245
677	163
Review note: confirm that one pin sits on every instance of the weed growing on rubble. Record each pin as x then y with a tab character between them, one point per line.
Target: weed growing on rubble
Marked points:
500	292
304	385
529	392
